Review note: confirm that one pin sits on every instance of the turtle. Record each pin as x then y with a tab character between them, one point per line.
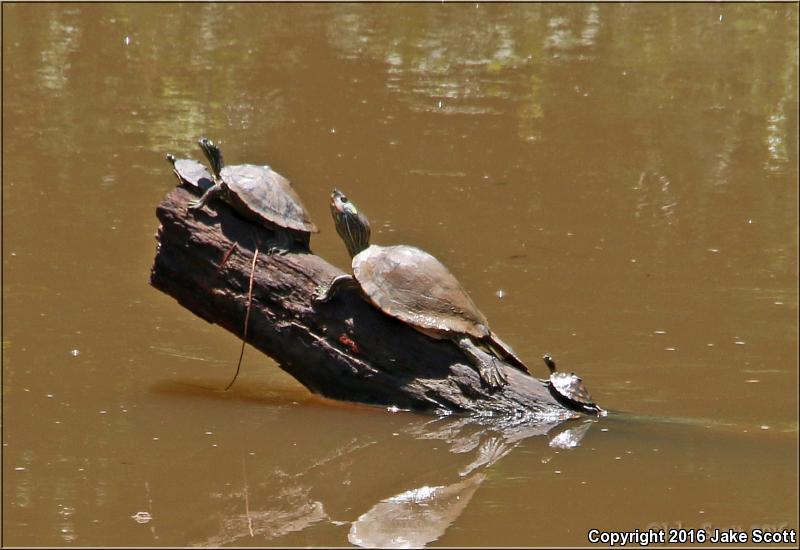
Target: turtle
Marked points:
191	173
569	390
409	284
258	194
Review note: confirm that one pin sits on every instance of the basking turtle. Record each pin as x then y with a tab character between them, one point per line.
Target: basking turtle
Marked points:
259	194
568	389
416	288
192	173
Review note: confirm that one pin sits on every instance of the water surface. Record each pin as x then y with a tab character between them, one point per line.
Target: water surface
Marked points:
616	185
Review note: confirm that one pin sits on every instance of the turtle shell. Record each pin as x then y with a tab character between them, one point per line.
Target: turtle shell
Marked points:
416	288
192	173
570	386
267	195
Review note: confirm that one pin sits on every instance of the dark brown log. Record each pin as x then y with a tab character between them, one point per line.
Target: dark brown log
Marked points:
342	349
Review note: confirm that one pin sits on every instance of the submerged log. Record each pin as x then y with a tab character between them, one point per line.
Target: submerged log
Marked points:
342	349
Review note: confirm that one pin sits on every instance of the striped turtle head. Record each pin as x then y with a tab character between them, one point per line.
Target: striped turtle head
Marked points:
213	154
351	224
551	364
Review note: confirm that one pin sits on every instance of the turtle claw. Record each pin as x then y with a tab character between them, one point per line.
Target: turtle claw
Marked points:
195	205
273	250
322	293
492	374
489	367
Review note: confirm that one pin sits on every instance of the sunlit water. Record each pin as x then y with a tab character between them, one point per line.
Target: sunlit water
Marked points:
615	185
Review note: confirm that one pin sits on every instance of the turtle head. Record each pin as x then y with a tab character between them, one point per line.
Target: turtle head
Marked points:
213	154
171	158
351	224
550	363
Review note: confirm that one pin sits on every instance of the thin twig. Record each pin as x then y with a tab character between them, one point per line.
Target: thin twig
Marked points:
246	318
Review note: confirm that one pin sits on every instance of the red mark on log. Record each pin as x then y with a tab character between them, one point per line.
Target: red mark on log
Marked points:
349	342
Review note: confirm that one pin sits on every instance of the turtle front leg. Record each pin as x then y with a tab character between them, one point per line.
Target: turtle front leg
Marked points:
325	292
212	193
488	366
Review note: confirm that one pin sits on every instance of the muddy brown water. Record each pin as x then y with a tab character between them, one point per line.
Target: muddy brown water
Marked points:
616	185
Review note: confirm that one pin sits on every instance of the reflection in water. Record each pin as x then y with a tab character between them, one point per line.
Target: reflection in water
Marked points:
147	517
290	499
777	130
432	467
290	510
573	41
655	199
490	451
414	518
55	66
570	438
66	523
433	69
22	490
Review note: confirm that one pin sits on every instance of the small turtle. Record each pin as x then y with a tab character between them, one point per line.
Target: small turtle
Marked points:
416	288
568	389
191	173
258	194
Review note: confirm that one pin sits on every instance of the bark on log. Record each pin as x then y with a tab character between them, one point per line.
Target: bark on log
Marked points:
343	349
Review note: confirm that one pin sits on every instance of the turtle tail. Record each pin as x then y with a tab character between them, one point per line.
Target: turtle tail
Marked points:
506	353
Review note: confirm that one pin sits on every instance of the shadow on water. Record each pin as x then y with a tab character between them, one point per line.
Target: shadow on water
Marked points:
264	393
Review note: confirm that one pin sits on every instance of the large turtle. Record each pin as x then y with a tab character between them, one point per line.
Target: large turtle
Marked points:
416	288
259	194
568	389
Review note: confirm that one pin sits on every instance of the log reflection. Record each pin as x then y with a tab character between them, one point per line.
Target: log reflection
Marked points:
398	485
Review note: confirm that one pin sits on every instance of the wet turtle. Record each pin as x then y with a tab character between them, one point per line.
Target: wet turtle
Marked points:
568	389
258	194
416	288
191	173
